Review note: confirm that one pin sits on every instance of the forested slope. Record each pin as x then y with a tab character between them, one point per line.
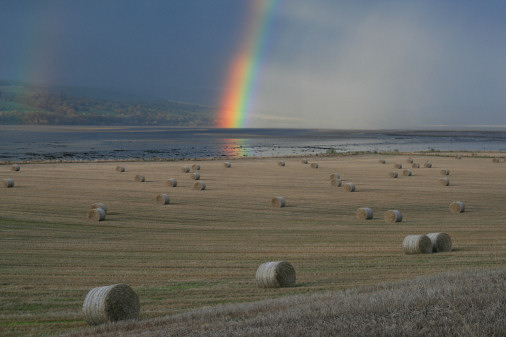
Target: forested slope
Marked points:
22	103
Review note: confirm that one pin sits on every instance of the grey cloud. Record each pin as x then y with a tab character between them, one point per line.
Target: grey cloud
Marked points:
380	66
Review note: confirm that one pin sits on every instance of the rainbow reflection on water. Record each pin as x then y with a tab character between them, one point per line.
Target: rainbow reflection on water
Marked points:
235	147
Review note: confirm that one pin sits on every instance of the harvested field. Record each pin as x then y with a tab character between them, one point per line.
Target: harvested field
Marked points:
433	306
207	249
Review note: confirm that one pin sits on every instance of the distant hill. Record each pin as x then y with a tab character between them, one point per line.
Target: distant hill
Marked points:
23	103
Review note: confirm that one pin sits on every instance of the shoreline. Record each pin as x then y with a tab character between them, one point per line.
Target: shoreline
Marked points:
435	153
175	144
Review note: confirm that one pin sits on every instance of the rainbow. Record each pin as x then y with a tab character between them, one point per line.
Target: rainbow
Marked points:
38	53
243	74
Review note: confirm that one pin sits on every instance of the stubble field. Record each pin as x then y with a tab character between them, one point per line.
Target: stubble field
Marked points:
204	247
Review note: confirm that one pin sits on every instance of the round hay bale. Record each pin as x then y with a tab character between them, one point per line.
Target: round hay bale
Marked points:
444	172
444	181
407	172
195	176
120	169
335	176
278	202
314	165
409	161
172	182
199	185
227	164
15	167
195	167
275	274
111	303
427	164
99	205
364	213
349	187
304	161
185	169
393	174
392	215
398	166
417	244
96	214
459	156
281	163
457	207
140	178
162	199
441	242
415	165
382	161
336	182
8	183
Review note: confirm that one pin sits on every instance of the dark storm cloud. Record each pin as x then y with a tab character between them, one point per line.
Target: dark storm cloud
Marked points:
339	64
172	49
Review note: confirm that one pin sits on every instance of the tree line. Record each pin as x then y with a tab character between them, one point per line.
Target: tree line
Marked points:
41	106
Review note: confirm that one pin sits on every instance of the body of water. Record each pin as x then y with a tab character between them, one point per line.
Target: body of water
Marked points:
26	143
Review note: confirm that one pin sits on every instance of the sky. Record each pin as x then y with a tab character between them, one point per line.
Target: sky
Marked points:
325	63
